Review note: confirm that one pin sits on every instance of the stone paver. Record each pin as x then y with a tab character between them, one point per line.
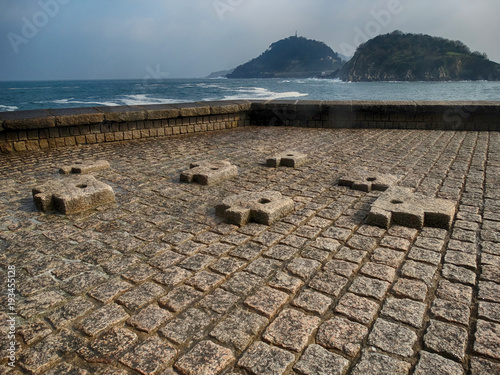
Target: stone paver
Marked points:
205	358
316	360
291	329
156	283
380	364
262	359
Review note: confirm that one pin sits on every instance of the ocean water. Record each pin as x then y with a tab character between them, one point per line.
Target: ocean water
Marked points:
65	94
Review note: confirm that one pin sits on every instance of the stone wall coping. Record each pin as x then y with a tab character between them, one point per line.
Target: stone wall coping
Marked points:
49	118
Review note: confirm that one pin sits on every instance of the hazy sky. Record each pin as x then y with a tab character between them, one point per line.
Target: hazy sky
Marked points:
90	39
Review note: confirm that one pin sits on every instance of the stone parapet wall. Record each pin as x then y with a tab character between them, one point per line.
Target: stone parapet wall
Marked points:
44	129
479	116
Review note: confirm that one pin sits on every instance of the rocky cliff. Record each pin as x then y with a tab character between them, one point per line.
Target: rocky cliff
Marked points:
410	57
293	57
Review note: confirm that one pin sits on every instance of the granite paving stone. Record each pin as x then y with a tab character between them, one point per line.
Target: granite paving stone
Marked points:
242	283
430	363
205	280
172	276
33	332
316	360
368	287
489	291
389	257
263	359
267	301
149	318
487	339
341	267
248	251
451	311
407	288
205	358
419	271
186	326
150	356
108	291
35	305
180	297
46	353
379	271
454	292
490	311
405	311
219	301
393	338
380	364
70	312
357	308
291	329
281	252
239	328
459	274
328	282
66	369
480	366
109	347
446	339
312	301
285	282
342	334
103	318
140	296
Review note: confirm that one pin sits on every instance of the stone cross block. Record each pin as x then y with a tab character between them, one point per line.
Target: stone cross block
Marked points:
72	194
287	159
400	206
84	167
209	173
368	181
265	207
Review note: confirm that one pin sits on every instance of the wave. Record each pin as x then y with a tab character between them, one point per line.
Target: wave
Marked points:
142	99
262	93
70	101
8	108
29	88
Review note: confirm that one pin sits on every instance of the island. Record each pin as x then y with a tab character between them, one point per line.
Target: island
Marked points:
293	57
416	57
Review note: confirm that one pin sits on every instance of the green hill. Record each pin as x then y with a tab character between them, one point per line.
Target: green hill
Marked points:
411	57
293	57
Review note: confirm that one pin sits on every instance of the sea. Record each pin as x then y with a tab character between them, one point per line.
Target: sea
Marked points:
26	95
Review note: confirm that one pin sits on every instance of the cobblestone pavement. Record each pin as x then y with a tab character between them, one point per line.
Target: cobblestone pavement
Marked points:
157	284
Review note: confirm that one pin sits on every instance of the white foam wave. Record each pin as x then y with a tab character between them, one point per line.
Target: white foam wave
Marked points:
142	99
262	93
70	101
8	108
126	100
29	88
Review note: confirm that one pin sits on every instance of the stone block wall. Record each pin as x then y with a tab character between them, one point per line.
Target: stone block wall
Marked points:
479	116
44	129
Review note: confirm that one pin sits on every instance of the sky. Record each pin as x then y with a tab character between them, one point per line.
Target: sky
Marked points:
122	39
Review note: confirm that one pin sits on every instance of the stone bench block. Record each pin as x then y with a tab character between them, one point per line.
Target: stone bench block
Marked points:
400	206
368	181
82	167
287	159
209	173
261	207
72	194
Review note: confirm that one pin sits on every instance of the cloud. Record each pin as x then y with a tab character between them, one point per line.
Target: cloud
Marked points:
121	38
